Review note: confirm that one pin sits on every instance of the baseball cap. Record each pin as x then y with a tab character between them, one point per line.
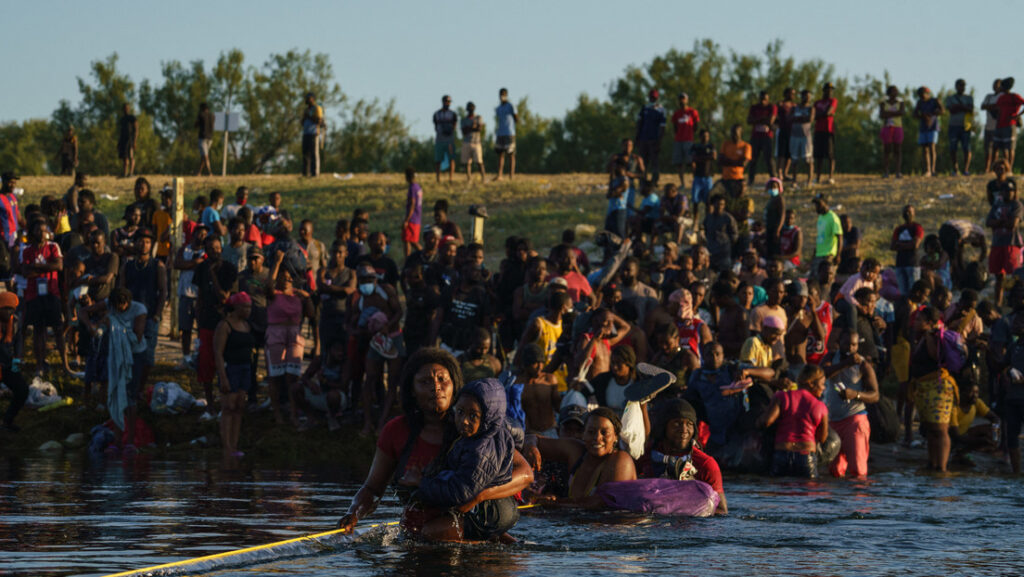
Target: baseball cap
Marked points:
798	287
772	322
560	281
683	95
572	413
7	176
239	299
827	85
366	270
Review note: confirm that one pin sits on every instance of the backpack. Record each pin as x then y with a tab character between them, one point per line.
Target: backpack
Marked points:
884	420
952	351
294	260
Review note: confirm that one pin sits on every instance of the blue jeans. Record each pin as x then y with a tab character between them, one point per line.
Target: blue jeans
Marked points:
792	464
906	276
615	223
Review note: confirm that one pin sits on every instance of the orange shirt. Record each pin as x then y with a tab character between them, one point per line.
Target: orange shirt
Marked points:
734	151
162	224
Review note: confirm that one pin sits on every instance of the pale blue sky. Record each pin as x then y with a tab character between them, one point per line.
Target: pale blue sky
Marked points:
550	50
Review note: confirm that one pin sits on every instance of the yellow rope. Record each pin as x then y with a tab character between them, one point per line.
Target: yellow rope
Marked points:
235	552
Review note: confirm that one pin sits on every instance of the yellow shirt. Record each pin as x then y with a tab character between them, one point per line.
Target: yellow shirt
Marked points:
162	224
756	353
964	419
547	337
62	225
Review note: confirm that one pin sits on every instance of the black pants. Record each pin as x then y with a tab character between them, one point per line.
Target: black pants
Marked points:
761	146
310	155
650	150
16	383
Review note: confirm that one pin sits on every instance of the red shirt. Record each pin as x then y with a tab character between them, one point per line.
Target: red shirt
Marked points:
253	236
684	120
708	470
822	121
187	228
799	417
49	252
762	115
393	439
1008	104
578	286
816	350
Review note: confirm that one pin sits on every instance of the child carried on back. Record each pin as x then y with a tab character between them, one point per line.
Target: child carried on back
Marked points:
479	458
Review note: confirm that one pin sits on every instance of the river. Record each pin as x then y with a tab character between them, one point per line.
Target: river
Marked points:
61	516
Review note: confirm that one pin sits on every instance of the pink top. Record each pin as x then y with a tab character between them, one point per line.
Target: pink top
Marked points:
284	310
801	413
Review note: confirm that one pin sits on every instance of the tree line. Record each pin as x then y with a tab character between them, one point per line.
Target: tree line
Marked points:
372	136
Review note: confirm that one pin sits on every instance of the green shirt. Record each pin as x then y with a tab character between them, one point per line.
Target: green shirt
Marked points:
829	230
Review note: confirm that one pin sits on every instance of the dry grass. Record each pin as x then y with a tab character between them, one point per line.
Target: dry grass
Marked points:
541	206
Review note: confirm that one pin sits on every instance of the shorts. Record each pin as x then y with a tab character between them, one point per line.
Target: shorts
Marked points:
411	232
892	135
207	369
490	519
444	151
152	330
43	311
702	189
782	143
800	148
204	147
958	137
824	145
284	350
989	137
681	153
472	152
505	144
1004	259
926	137
186	312
239	377
1005	138
125	151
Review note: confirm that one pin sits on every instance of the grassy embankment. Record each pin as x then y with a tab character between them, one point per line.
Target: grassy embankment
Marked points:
538	207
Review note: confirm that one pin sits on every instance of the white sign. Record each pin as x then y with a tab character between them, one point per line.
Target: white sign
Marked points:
230	119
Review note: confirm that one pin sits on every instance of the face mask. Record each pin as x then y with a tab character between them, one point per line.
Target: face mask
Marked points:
366	288
773	192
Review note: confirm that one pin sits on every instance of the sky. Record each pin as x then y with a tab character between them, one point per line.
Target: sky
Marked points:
552	51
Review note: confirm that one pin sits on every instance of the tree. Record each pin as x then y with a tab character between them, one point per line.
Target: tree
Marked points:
272	99
173	107
370	138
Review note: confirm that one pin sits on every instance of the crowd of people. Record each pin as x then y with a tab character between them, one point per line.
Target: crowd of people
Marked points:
690	345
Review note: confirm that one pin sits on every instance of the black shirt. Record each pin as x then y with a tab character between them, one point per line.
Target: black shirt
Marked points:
702	155
205	125
126	129
208	304
387	270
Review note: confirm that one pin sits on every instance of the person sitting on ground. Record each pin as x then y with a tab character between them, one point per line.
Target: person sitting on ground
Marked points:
481	456
540	397
976	423
851	387
594	460
935	263
675	437
478	362
802	424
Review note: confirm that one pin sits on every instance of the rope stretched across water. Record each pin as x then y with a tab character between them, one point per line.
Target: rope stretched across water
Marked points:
295	547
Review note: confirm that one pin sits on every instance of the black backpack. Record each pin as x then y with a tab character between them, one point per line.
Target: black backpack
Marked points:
884	420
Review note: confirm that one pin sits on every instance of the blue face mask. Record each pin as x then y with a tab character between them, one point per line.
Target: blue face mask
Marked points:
366	288
773	192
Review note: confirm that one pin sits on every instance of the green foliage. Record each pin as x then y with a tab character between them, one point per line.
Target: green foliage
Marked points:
371	136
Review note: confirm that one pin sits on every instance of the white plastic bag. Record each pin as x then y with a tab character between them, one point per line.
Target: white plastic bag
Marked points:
633	433
41	393
170	399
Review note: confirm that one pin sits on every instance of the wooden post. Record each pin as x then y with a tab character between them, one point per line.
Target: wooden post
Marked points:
478	229
177	240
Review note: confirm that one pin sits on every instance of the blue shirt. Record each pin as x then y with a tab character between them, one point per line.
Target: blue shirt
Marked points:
650	122
650	205
209	216
506	120
620	202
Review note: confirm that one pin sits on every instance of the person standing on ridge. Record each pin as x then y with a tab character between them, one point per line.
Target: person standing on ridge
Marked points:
505	135
761	117
445	121
684	121
472	150
650	128
825	132
128	133
204	124
312	122
961	116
